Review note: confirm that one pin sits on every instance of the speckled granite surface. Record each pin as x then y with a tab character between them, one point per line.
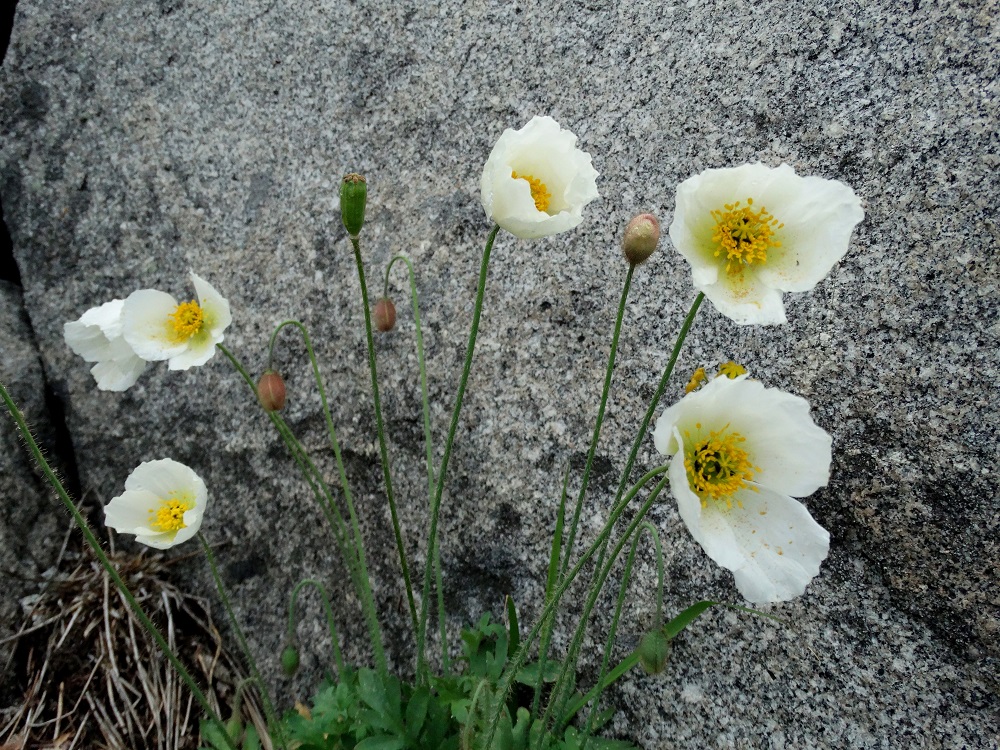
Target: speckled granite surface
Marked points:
141	139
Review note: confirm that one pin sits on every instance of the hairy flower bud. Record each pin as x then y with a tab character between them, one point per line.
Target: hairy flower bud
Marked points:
271	391
642	234
290	660
384	313
654	648
353	196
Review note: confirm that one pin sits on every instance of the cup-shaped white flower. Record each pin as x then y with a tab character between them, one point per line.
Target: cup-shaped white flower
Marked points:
536	182
753	232
163	504
97	337
158	327
741	454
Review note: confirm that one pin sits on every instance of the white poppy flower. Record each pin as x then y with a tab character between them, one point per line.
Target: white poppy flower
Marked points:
741	454
753	232
97	337
536	181
157	327
163	504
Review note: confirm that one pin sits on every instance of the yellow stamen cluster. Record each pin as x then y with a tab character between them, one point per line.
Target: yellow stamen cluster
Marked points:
744	235
731	370
186	320
697	378
717	467
539	193
170	515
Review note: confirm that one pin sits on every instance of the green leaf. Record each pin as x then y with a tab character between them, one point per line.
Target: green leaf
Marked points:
514	640
416	712
381	742
528	675
685	618
556	553
250	740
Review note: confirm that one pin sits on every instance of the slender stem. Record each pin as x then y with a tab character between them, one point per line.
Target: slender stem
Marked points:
609	372
515	664
95	546
613	630
272	716
337	657
626	664
562	691
428	447
380	429
362	581
442	472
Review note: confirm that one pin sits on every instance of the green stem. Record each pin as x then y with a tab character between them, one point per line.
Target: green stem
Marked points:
613	630
442	472
380	429
626	664
95	546
517	662
272	716
337	657
428	447
362	580
592	451
609	372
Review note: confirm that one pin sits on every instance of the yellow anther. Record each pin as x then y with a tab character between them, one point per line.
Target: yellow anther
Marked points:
717	467
170	515
697	378
539	193
744	235
731	370
186	320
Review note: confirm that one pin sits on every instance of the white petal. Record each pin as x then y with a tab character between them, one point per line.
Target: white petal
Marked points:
745	299
146	325
128	513
90	335
706	527
781	543
544	151
118	374
163	477
201	348
215	307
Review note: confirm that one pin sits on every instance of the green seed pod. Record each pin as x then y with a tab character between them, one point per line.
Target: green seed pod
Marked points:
353	196
290	660
654	648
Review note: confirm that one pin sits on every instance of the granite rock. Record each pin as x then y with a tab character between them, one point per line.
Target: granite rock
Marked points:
141	139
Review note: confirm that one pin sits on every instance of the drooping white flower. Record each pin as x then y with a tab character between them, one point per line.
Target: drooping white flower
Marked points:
536	182
753	232
741	454
157	327
97	337
163	504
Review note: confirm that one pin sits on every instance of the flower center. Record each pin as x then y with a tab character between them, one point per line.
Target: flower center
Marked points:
186	320
744	235
170	515
717	467
539	193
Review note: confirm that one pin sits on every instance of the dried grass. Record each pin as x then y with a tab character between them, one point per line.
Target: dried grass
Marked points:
95	679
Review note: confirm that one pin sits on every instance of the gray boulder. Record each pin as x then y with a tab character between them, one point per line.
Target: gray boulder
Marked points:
144	139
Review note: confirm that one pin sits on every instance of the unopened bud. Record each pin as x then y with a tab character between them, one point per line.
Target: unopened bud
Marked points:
641	237
290	660
654	648
353	196
384	313
271	391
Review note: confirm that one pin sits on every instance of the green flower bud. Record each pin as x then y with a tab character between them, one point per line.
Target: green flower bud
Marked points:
271	391
642	235
353	196
384	314
290	660
654	648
